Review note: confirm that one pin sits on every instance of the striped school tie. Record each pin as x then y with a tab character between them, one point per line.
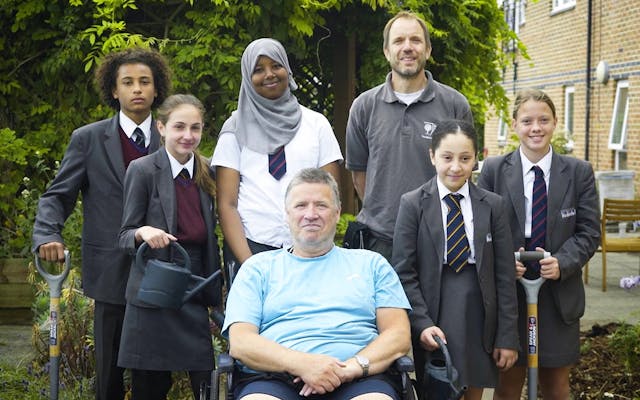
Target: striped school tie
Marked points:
183	177
278	163
138	138
538	216
457	243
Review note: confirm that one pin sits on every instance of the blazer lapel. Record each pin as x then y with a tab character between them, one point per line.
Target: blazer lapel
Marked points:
432	217
560	182
113	148
481	222
513	177
155	137
166	189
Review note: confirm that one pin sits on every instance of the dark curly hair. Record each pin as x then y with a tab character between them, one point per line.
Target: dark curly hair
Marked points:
107	72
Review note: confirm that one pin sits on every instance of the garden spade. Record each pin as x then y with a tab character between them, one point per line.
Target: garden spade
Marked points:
55	288
531	289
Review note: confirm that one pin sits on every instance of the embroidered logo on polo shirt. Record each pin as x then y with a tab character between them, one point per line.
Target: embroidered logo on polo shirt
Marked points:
429	127
353	276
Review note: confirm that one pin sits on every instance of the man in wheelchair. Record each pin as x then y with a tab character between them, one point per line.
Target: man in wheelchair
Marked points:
316	320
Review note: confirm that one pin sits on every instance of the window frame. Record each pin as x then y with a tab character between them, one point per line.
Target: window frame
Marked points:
503	130
562	5
514	15
569	108
621	143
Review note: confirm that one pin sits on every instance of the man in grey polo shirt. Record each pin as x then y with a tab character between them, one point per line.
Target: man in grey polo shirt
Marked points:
389	128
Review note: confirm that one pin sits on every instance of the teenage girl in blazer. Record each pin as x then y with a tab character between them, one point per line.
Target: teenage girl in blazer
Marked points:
474	309
572	236
162	205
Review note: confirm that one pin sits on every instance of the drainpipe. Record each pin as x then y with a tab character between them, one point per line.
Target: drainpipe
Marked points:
588	81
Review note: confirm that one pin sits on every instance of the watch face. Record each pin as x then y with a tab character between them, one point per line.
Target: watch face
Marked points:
364	364
363	361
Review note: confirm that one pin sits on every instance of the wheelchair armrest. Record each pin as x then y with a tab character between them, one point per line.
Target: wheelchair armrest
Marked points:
404	364
225	362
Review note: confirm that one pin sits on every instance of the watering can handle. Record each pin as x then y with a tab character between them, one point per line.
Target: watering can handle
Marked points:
55	281
447	357
143	248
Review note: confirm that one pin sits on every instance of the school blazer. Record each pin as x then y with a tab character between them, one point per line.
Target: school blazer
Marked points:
573	219
93	165
418	254
150	199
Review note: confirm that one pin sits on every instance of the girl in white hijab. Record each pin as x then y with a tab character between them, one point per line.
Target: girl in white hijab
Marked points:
269	130
260	123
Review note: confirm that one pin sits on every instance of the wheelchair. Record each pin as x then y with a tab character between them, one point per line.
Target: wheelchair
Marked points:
222	377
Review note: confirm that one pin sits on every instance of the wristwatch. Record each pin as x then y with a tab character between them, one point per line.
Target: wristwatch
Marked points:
364	364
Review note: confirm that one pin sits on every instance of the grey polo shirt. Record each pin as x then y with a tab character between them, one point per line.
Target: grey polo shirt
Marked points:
390	141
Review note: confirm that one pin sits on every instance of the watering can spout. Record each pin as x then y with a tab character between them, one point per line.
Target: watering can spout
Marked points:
202	282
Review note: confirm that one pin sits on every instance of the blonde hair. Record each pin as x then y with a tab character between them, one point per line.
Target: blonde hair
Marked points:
535	95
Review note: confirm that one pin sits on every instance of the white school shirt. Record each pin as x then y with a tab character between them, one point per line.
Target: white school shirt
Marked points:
128	126
528	176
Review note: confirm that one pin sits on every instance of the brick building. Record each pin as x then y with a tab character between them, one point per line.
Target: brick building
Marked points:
570	43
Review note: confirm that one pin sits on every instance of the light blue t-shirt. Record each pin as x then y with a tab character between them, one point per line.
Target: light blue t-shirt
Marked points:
323	305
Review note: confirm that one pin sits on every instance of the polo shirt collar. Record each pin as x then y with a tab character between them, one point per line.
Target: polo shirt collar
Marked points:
427	95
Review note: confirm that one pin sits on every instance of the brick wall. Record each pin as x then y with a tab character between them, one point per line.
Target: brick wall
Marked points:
557	47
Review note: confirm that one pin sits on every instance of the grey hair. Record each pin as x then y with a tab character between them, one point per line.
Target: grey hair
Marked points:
314	175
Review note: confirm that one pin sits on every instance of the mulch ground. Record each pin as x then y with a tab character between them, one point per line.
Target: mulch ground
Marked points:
600	373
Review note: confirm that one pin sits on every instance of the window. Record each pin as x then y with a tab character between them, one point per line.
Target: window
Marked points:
561	5
503	131
568	109
618	132
514	15
520	7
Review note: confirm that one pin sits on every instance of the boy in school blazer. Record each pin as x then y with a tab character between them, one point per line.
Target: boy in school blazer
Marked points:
132	81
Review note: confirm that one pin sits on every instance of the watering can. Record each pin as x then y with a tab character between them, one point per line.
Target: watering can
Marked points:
441	377
166	284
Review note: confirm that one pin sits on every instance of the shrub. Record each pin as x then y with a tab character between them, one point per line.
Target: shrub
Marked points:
31	382
75	327
625	343
17	224
341	227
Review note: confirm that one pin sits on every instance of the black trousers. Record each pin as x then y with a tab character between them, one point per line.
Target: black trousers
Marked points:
381	246
155	385
107	329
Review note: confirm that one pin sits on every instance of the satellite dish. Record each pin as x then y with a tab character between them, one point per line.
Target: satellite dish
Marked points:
602	72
